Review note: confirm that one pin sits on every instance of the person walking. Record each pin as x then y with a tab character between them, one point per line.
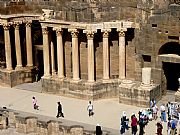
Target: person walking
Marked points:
59	113
34	102
134	124
90	109
163	113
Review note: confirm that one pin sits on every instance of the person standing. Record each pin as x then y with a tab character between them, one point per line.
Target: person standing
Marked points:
59	113
173	126
163	113
37	74
169	126
141	127
134	124
155	110
159	128
169	109
90	108
123	125
98	130
34	102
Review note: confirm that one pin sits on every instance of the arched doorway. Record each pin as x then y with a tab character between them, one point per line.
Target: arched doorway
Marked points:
170	56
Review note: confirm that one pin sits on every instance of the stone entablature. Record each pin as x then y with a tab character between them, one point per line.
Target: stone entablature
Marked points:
42	125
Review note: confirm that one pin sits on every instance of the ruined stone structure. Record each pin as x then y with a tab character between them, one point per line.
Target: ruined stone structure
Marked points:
27	123
92	49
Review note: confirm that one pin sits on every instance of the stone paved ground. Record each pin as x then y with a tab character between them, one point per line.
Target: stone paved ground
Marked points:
107	112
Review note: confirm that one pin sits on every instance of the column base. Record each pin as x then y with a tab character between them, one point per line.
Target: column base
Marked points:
54	73
76	79
61	77
145	85
18	67
29	65
106	80
46	76
9	69
91	81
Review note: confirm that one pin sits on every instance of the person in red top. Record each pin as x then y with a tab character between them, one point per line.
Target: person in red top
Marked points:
134	123
159	128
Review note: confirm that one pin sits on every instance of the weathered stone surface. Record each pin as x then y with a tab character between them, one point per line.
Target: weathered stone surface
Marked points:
43	125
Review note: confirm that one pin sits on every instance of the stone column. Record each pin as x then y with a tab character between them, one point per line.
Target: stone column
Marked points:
29	45
7	47
75	53
46	52
146	76
90	42
122	55
60	55
18	47
52	59
105	54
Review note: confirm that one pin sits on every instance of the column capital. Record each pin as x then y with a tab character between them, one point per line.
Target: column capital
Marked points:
16	24
89	33
45	30
59	31
28	23
6	26
121	33
74	32
106	32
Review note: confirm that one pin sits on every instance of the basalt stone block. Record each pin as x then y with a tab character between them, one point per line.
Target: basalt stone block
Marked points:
76	130
53	128
31	124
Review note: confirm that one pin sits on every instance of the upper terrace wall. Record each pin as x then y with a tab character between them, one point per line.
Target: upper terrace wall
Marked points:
86	11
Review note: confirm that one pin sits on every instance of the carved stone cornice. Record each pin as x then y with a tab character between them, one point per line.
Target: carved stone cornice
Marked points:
45	30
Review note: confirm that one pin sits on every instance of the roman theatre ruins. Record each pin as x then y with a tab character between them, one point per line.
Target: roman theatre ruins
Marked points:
128	49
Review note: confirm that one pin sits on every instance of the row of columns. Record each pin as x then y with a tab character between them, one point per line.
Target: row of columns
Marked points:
17	46
75	54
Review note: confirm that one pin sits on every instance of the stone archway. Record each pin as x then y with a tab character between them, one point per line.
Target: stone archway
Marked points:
169	54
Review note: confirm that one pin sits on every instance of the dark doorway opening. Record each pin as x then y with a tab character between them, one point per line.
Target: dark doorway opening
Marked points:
172	73
40	64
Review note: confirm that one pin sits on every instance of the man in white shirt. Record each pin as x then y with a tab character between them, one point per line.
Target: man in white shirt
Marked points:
155	110
163	113
90	108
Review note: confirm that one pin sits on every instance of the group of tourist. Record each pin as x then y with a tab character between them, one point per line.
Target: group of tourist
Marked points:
152	114
142	121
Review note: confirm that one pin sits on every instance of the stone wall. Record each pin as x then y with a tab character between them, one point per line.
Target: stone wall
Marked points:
15	77
81	89
27	123
78	11
136	94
